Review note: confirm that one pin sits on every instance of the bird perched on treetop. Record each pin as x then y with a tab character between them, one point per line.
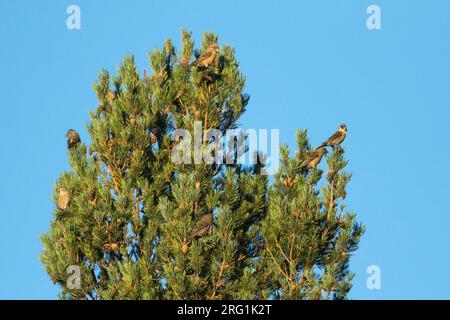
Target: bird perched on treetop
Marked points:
203	227
337	138
73	138
313	159
105	105
207	57
63	198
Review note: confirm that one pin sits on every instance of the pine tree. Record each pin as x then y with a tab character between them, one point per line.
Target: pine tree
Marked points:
141	226
308	233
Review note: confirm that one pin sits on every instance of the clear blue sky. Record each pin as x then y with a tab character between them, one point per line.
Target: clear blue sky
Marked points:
309	64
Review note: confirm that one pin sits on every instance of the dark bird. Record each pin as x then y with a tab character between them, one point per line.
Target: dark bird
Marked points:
337	138
73	138
63	198
314	158
203	227
207	57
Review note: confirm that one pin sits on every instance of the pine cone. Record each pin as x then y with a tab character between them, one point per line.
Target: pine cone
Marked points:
184	248
111	247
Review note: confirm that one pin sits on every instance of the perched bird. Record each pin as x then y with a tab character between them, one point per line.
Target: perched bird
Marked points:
313	159
111	96
207	57
102	108
63	198
337	138
203	227
73	138
106	103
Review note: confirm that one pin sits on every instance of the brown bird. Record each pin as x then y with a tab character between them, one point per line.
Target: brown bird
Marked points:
73	138
207	57
102	108
63	198
111	96
203	227
314	158
105	105
337	138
